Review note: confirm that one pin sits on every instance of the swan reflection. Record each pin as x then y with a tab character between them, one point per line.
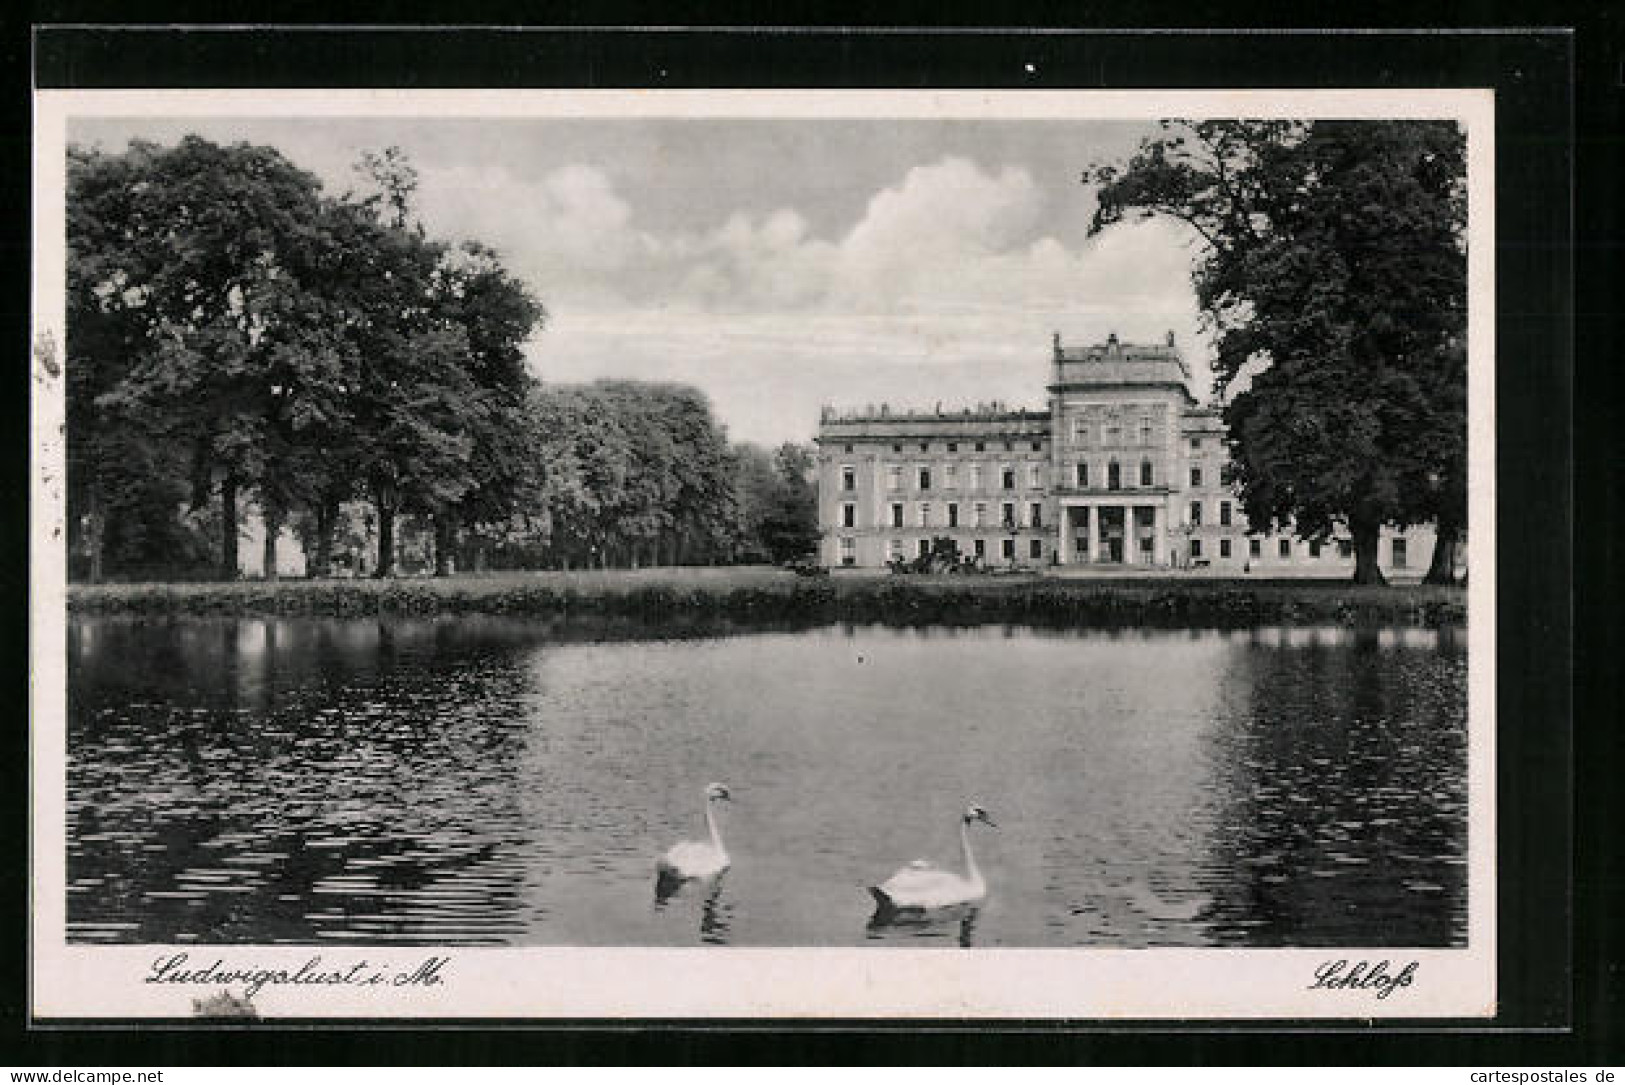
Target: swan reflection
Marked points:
958	922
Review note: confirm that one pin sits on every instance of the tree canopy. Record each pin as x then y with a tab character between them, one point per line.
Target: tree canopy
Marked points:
1332	274
231	323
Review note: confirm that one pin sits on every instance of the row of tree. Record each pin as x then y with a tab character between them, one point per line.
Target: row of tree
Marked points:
1333	275
237	336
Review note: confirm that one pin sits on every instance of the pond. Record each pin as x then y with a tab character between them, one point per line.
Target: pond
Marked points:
488	781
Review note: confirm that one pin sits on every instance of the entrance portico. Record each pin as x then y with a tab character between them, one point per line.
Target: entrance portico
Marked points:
1112	531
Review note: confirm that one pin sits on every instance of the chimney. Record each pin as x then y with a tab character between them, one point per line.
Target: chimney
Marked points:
1057	341
1170	337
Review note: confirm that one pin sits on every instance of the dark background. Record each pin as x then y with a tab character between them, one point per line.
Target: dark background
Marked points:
1558	106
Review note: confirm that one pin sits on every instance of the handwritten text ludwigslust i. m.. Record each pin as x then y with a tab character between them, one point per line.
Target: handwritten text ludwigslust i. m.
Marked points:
178	968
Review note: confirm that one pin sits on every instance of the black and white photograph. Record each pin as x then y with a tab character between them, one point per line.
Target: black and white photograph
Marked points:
782	554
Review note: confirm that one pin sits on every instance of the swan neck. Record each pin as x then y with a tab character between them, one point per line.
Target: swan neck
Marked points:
711	823
972	871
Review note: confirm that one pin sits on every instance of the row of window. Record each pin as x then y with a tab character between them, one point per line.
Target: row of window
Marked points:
925	478
953	446
1008	513
1226	514
895	548
1114	475
1110	434
1345	549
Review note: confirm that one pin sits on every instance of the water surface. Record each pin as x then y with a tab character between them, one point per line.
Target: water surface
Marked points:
476	780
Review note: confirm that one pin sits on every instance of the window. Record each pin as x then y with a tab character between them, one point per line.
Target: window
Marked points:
1080	431
1345	548
1038	446
897	514
1009	446
1007	547
925	446
925	547
1035	514
1145	433
981	446
925	514
897	448
1196	548
979	547
849	551
1255	548
1146	543
950	477
1113	434
1224	548
1035	549
1083	476
1196	476
981	514
1035	477
849	515
1196	442
1399	553
1008	514
1196	514
1145	472
894	478
1285	548
1114	476
1009	478
894	548
953	515
849	479
953	446
976	476
848	450
1314	549
925	478
1224	513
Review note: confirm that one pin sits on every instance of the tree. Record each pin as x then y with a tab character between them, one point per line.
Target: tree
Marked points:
1332	272
198	265
498	314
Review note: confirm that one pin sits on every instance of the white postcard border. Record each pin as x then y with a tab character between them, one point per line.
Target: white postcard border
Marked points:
112	982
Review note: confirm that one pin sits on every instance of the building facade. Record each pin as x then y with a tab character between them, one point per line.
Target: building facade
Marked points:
1124	469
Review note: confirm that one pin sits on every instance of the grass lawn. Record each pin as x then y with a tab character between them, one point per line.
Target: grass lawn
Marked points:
766	595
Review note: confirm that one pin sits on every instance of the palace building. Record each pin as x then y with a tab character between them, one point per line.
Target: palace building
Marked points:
1125	468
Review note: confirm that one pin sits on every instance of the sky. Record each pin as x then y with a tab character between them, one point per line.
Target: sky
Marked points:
779	265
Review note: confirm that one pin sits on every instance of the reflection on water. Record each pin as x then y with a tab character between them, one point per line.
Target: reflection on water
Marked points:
957	923
485	781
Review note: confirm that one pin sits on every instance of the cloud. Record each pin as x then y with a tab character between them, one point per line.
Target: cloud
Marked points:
947	287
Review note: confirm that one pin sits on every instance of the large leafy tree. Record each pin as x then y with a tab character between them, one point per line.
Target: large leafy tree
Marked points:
1332	273
635	472
444	391
194	289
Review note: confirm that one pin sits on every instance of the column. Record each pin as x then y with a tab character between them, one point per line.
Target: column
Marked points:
1063	547
1159	528
1093	524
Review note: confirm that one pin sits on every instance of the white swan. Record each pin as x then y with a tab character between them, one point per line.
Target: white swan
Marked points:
695	860
923	886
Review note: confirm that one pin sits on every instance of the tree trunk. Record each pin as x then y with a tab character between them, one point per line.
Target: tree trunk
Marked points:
95	531
1442	569
327	514
228	528
273	527
1367	534
386	540
445	537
